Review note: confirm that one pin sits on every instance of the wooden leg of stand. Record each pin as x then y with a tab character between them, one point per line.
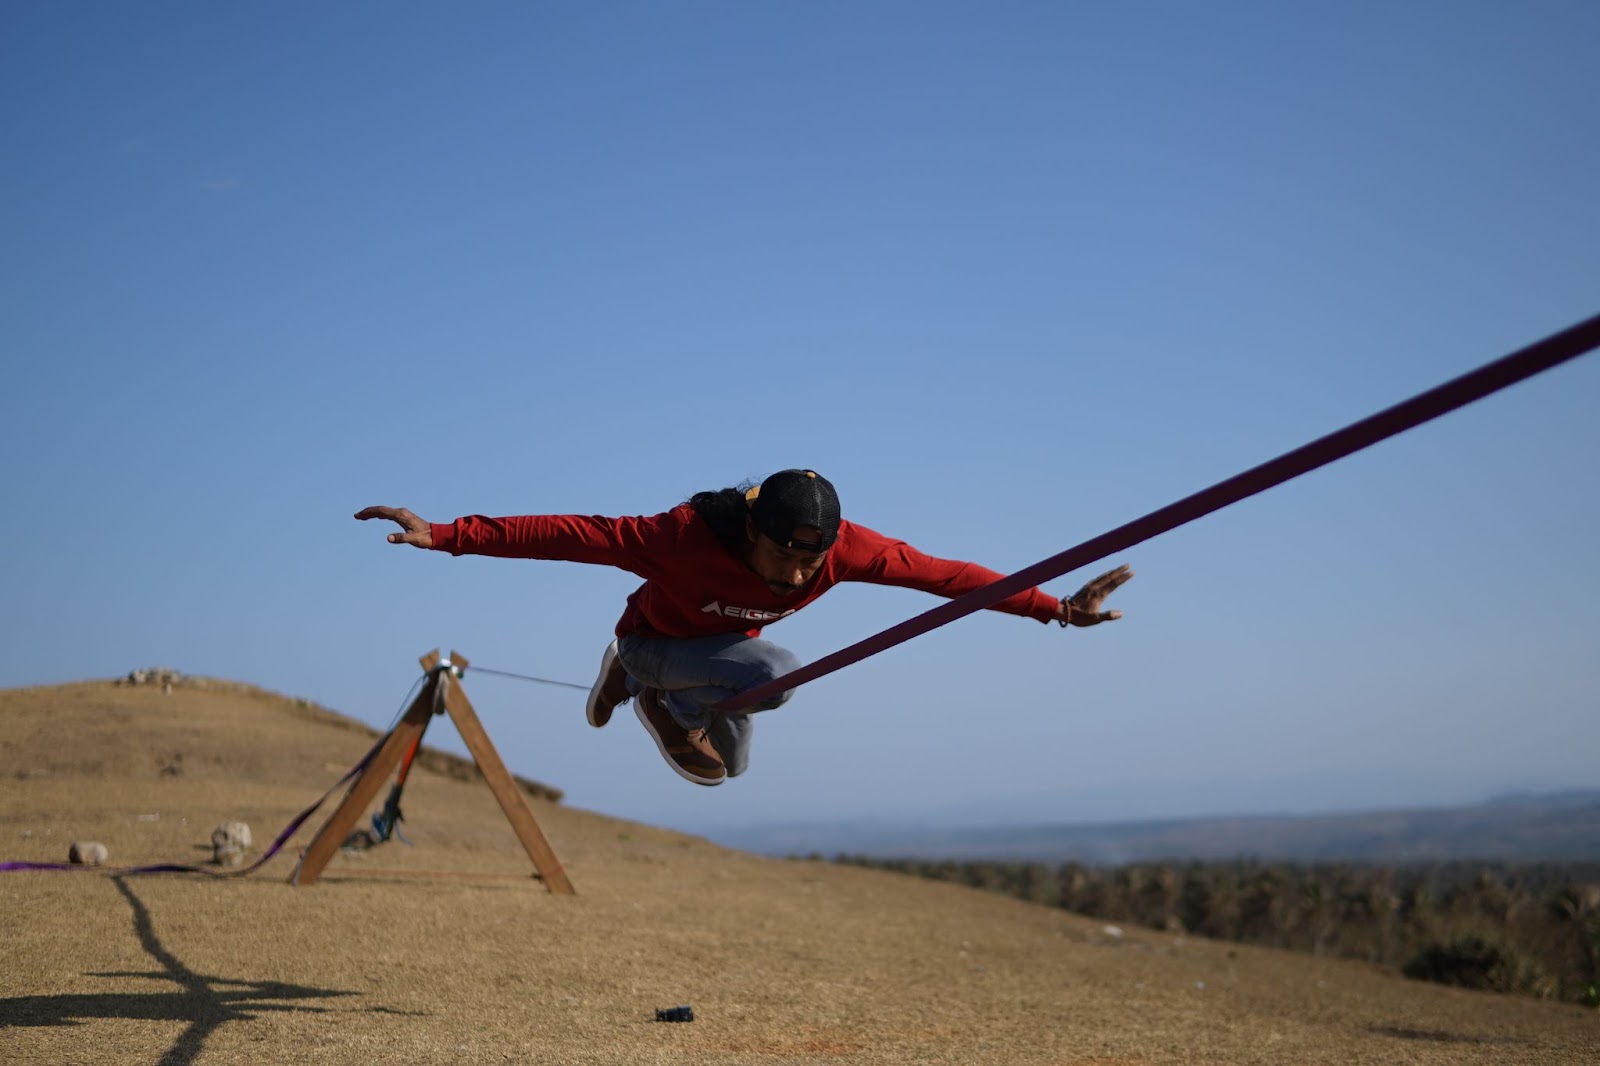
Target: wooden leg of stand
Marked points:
336	830
505	789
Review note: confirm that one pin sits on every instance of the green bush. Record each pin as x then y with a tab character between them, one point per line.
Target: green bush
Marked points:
1474	961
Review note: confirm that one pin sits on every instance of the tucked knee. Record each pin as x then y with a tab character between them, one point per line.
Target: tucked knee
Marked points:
774	663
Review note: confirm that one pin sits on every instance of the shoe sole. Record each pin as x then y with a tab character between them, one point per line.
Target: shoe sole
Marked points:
593	710
644	719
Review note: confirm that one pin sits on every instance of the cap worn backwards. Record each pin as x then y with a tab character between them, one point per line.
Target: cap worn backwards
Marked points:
791	500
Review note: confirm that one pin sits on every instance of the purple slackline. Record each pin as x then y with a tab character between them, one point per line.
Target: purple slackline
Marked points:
179	868
1475	385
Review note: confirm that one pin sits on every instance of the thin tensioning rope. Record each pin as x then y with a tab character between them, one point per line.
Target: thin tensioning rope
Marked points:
1475	385
476	669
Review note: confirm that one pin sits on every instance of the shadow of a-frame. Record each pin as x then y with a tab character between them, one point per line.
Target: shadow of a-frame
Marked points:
204	1002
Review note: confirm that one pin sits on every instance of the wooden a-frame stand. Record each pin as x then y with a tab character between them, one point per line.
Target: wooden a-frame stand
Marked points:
442	688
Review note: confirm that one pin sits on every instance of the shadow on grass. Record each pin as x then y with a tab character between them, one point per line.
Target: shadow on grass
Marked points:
206	1003
1440	1036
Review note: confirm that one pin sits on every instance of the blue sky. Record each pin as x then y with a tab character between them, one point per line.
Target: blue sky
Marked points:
1010	275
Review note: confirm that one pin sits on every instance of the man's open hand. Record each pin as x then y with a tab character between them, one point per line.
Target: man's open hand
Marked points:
417	533
1082	608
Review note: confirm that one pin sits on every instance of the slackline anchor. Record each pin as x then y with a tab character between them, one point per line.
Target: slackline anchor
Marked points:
442	694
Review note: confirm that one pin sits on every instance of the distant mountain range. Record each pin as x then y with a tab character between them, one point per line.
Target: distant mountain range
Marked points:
1525	827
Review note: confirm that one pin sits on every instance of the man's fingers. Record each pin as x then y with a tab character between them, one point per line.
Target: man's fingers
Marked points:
406	520
1107	583
1114	579
414	531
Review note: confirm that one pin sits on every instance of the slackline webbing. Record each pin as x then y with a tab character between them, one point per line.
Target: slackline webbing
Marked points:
1475	385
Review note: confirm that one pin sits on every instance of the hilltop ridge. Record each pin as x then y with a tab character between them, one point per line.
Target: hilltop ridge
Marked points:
192	738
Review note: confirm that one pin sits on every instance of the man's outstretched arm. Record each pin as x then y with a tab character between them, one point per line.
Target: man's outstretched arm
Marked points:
885	561
642	545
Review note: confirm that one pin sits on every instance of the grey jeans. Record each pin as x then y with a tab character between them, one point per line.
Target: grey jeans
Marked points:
695	674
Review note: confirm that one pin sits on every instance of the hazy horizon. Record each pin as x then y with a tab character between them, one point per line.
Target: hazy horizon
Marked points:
1107	806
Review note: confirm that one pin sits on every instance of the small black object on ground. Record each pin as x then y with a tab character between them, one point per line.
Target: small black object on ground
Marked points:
675	1014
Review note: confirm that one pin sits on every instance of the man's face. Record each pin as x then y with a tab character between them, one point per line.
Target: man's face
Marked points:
785	570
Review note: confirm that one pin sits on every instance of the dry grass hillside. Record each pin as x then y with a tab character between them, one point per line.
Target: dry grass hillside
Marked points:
389	961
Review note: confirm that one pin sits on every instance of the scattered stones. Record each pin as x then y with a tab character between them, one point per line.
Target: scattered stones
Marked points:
228	843
164	676
87	853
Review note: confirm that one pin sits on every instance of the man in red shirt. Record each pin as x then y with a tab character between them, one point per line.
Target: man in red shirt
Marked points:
716	570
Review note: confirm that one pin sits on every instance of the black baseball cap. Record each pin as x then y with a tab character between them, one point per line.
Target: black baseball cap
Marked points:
794	499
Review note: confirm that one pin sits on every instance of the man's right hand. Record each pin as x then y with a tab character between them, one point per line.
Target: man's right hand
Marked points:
417	533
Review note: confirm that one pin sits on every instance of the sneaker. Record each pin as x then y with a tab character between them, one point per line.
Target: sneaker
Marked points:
610	688
688	752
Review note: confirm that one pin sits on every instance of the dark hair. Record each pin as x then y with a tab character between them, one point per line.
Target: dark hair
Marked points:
725	511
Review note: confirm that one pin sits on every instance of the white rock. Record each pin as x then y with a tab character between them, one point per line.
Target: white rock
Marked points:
87	853
238	832
228	843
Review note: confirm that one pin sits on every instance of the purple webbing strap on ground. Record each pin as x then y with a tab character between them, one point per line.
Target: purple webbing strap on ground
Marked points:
178	868
1535	358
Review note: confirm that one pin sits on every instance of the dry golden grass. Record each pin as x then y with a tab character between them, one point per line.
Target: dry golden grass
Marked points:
783	962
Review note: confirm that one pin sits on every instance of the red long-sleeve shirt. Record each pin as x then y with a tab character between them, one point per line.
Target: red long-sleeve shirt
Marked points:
694	587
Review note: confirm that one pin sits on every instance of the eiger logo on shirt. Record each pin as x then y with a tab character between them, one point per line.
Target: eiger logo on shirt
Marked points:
750	614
